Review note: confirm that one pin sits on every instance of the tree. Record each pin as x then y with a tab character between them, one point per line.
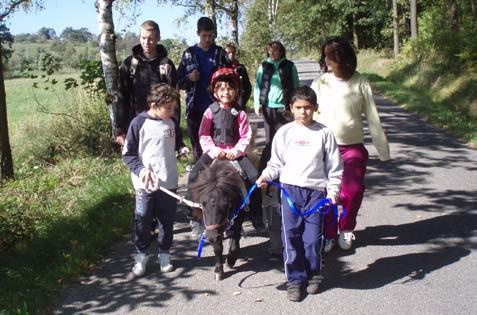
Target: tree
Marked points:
81	35
46	33
395	30
8	7
107	50
414	19
6	162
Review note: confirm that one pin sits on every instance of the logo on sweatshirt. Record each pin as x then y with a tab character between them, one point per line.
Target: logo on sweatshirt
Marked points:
302	143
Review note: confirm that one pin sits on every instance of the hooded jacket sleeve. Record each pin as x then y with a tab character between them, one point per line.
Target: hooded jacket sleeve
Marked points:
122	109
131	147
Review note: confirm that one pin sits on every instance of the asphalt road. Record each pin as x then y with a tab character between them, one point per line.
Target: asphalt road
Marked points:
414	253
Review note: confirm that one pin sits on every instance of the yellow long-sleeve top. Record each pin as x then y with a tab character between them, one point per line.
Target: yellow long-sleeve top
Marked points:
342	106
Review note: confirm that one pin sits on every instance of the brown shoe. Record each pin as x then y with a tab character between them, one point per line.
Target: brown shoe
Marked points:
295	292
314	284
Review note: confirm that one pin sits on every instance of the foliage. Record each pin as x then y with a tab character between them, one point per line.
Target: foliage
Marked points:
436	91
92	78
66	215
46	33
5	39
437	37
256	34
81	35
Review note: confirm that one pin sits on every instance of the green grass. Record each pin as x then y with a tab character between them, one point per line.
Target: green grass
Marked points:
441	94
67	215
72	197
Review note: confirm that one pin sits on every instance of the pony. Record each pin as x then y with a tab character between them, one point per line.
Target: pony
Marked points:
218	188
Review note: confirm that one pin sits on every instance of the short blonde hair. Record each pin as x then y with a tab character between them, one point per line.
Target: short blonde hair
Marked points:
150	25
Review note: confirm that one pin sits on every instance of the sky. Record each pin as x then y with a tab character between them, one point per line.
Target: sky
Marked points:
59	14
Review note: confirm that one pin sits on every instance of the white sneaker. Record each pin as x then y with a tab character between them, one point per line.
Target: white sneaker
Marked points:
197	229
329	244
165	261
139	268
345	240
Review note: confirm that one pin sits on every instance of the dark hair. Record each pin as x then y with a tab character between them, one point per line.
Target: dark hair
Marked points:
304	93
150	25
205	24
342	53
277	44
231	81
161	94
231	45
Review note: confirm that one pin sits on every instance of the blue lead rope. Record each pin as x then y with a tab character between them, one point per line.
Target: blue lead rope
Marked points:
322	207
201	245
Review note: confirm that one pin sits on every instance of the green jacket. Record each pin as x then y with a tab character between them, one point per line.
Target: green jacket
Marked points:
275	95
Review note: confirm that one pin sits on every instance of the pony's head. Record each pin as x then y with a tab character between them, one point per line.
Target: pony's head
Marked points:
218	190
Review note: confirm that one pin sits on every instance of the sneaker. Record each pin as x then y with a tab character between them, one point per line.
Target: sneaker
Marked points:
345	240
314	284
329	244
165	261
295	292
197	229
139	268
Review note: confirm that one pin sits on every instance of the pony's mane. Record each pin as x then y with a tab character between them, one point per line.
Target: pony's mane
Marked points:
220	177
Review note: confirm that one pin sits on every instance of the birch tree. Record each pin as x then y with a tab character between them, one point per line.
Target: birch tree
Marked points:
395	30
107	51
414	19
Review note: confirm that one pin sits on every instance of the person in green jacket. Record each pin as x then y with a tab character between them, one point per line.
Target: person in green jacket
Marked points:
276	79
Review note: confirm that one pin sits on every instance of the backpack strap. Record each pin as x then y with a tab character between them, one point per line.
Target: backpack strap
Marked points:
164	69
133	67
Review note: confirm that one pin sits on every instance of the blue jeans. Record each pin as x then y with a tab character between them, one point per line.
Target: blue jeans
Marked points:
149	206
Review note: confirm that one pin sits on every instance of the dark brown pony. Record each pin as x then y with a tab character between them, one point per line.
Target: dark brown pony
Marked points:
218	188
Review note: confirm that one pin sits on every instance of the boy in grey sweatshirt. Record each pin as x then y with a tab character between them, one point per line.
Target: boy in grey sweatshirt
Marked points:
306	160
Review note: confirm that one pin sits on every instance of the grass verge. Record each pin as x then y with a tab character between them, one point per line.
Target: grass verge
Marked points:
67	216
437	94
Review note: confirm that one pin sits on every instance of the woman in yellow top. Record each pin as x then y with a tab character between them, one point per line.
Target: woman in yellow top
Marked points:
345	99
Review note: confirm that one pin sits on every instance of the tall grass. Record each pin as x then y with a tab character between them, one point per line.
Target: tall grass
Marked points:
70	200
443	94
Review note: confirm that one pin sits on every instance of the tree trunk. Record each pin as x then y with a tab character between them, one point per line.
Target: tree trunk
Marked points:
355	33
473	5
395	30
454	15
107	50
6	162
211	12
272	14
414	19
234	12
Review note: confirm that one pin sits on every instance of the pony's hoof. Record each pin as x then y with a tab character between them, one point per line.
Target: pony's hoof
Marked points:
219	276
231	260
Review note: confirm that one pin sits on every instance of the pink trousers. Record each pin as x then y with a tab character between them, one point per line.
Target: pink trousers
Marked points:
355	160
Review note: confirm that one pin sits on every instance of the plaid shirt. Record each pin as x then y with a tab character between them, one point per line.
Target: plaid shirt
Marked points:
189	63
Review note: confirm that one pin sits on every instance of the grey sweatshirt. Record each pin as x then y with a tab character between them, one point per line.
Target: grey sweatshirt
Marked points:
151	142
306	156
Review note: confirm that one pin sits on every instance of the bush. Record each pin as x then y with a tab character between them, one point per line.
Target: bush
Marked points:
80	126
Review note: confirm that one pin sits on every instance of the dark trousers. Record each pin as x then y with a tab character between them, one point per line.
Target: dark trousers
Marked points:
302	237
149	206
193	124
271	124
